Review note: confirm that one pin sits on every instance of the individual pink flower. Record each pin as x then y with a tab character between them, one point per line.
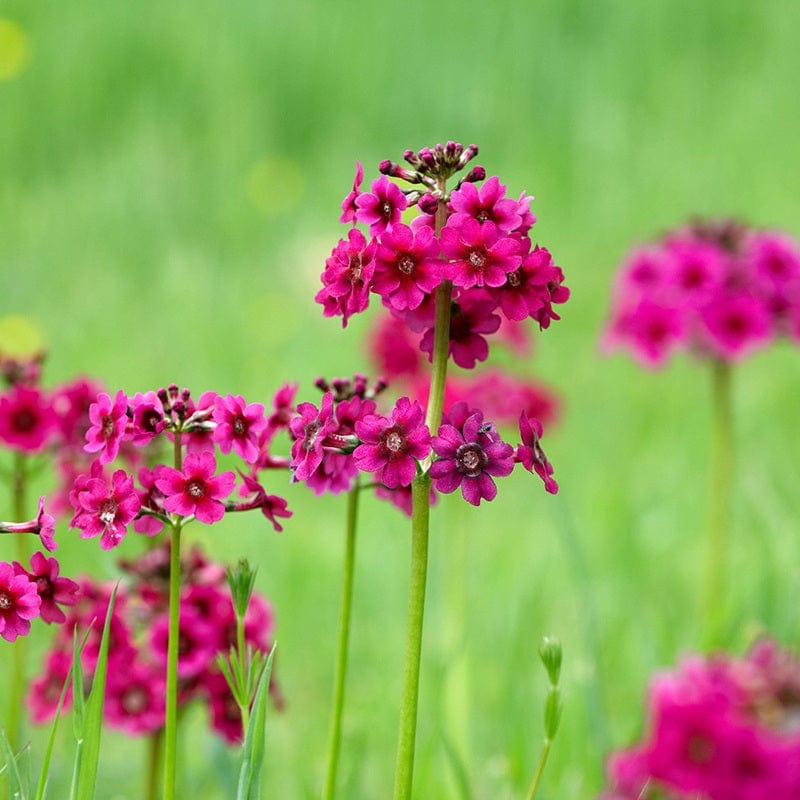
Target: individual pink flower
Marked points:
27	420
109	421
53	589
195	489
481	255
135	698
487	204
395	349
530	453
391	447
695	270
271	505
347	277
238	426
200	438
44	691
349	207
71	403
309	430
104	509
197	641
471	317
382	207
468	457
549	278
148	418
19	603
282	412
42	524
652	331
407	266
226	718
736	324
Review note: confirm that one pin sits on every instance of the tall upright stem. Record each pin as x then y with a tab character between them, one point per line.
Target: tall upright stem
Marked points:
404	774
420	524
719	501
340	678
19	650
171	720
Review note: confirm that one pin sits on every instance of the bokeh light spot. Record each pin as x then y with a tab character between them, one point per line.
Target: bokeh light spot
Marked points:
19	337
275	185
14	50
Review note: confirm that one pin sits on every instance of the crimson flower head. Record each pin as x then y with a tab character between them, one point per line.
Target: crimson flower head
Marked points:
19	603
195	489
109	420
238	426
104	509
27	419
468	456
391	447
52	589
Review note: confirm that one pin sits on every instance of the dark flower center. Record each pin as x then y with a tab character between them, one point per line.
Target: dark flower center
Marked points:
513	279
150	420
386	209
6	601
239	426
196	488
477	258
354	267
311	432
108	511
471	459
406	264
44	587
736	325
25	420
108	426
700	749
482	215
394	441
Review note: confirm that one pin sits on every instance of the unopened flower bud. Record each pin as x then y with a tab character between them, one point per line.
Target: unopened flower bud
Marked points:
477	173
428	202
469	153
550	653
241	580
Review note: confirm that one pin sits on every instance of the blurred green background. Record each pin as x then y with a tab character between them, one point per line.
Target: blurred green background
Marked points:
170	180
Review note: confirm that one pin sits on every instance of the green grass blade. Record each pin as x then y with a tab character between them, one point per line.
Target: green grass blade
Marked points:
16	790
43	775
93	715
255	739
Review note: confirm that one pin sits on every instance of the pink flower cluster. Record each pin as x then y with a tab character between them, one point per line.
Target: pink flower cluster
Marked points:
720	729
106	503
477	239
346	436
139	629
720	290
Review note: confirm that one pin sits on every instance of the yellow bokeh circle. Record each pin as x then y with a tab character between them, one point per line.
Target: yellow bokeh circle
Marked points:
14	50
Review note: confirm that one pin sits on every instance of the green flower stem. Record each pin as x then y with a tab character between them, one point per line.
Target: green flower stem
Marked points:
171	724
420	525
241	653
19	650
406	743
539	770
720	495
345	613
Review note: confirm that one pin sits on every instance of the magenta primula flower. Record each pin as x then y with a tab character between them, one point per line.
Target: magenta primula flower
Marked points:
135	699
481	255
19	603
197	640
391	447
530	453
195	489
256	496
407	266
104	509
109	421
736	324
239	426
382	207
309	430
468	456
152	498
148	417
42	524
53	589
27	420
487	204
347	277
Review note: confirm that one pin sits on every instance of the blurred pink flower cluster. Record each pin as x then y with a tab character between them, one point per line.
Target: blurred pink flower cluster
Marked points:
719	728
135	690
717	289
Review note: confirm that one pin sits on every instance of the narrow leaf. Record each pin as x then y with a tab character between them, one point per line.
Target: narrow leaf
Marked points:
15	785
93	718
253	750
